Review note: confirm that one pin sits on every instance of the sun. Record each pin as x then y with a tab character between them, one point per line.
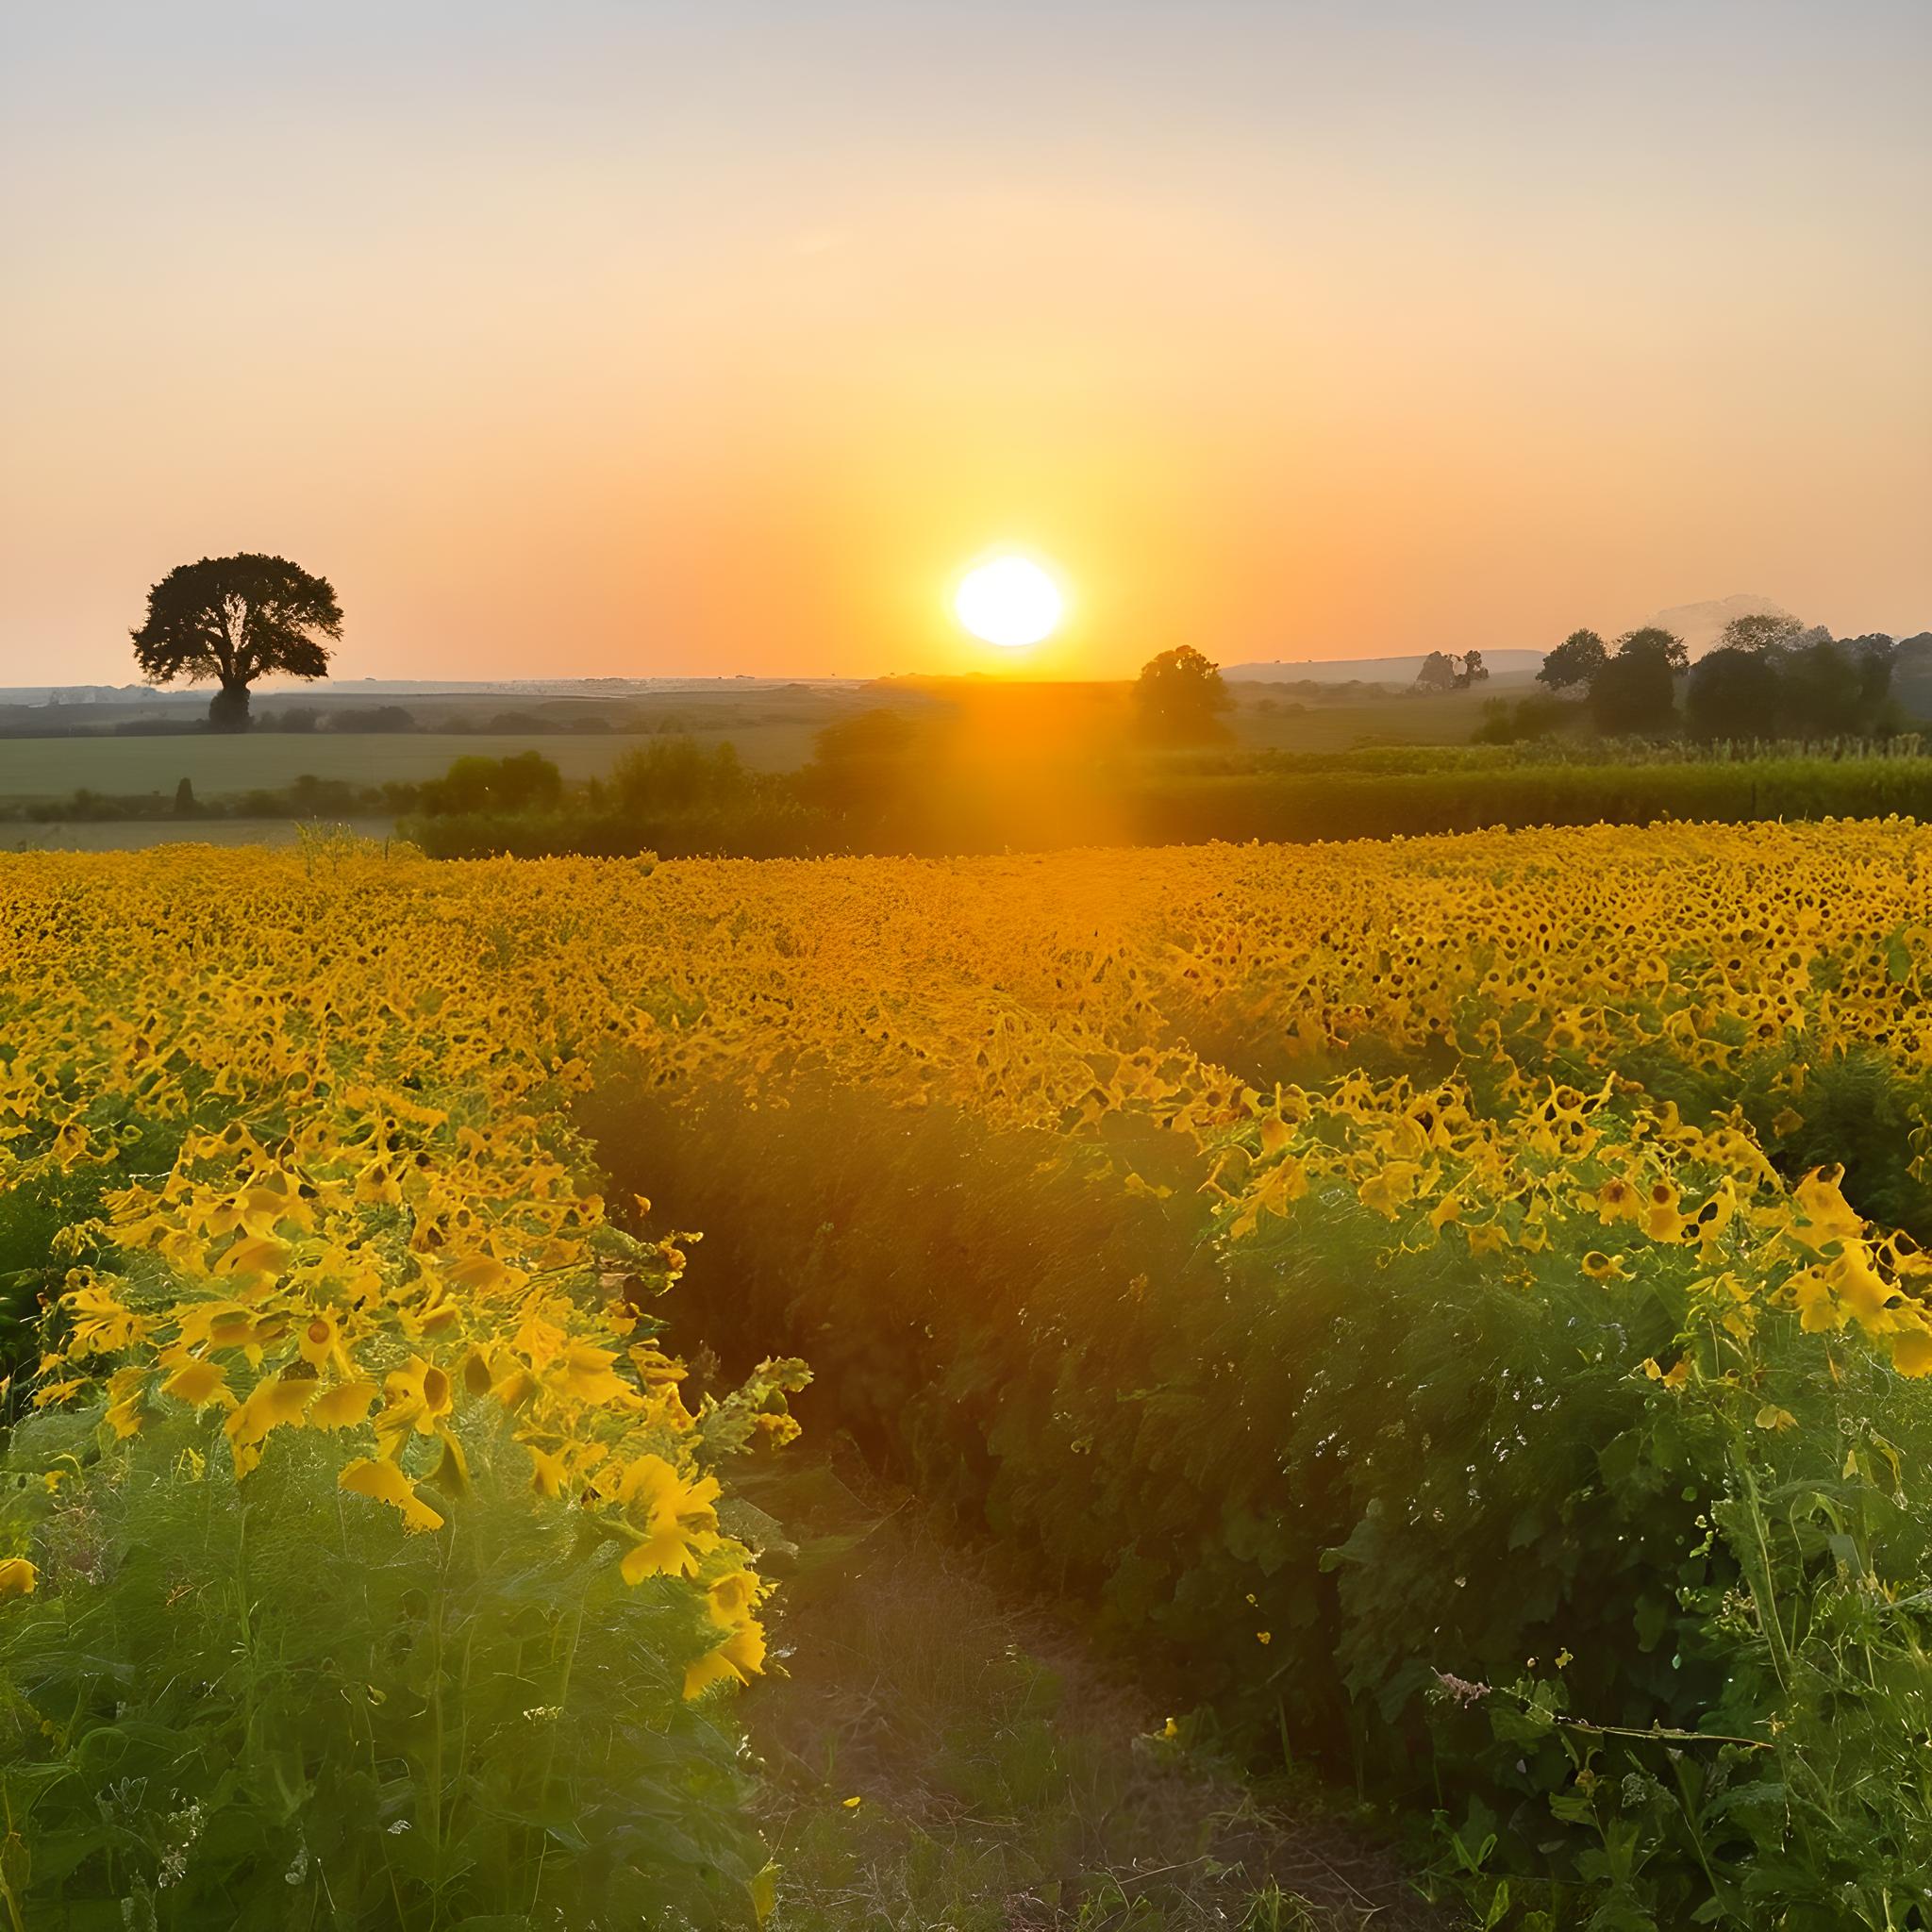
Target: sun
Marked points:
1009	600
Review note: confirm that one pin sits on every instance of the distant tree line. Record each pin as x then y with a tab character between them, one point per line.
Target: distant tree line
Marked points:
1770	676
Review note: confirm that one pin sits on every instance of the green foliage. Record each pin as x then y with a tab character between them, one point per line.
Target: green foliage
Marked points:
1763	631
1733	694
1789	684
861	767
1414	794
1653	1646
1540	715
678	774
509	784
259	1707
1574	662
1635	692
672	796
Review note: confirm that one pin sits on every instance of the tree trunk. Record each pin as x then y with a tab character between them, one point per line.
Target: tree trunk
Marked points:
228	710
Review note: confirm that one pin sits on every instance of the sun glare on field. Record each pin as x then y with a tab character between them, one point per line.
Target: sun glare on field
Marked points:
1009	600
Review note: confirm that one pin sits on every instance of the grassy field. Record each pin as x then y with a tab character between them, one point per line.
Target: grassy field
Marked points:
768	737
1294	725
55	767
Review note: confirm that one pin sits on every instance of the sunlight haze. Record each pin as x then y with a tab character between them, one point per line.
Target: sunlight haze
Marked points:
659	339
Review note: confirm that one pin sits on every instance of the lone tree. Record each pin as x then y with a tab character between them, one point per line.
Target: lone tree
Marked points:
1179	697
1446	671
234	619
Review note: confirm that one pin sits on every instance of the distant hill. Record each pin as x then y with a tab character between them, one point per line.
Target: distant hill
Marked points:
1366	670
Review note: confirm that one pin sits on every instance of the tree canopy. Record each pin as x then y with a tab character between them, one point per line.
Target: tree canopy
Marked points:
235	619
1734	692
1575	662
1652	642
1761	631
1446	671
1179	697
1772	675
507	784
1636	691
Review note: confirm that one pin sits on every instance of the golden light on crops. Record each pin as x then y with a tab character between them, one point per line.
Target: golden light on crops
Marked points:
1010	601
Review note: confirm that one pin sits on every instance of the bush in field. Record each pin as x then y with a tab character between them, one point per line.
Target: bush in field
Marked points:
863	767
516	783
1538	716
674	797
678	774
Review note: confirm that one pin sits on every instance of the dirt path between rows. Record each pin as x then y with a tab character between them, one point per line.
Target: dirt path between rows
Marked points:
1007	1779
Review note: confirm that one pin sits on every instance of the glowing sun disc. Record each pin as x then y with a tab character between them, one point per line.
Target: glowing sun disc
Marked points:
1011	602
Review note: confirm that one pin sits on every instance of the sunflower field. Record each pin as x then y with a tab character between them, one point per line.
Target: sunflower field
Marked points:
1455	1309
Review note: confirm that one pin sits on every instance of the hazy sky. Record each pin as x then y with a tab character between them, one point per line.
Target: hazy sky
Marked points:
627	336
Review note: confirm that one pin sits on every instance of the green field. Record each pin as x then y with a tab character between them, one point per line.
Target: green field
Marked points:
1444	718
34	769
37	768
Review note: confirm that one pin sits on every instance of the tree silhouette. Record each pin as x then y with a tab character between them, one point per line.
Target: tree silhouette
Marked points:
1761	631
1654	641
1823	689
234	619
1576	660
1735	691
1179	695
1444	670
1636	691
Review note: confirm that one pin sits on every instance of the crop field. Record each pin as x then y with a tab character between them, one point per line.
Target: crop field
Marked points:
37	768
1449	1314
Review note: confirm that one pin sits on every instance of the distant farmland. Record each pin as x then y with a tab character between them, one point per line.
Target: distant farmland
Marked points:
46	768
33	769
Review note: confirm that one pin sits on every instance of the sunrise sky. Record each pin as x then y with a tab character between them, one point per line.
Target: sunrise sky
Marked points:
639	338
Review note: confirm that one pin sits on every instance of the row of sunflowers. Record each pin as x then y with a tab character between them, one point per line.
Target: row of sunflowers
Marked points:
291	1189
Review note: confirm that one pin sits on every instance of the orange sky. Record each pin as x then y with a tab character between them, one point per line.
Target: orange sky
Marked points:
626	337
